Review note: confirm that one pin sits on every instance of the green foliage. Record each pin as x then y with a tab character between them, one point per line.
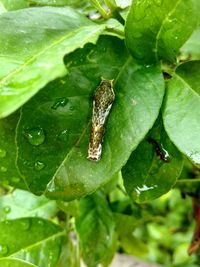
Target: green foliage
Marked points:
56	206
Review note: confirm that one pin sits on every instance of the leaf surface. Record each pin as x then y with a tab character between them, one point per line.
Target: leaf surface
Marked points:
33	43
31	239
59	119
153	167
157	29
95	226
191	49
181	113
21	203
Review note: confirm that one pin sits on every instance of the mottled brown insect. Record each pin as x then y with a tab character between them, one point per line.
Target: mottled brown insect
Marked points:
102	103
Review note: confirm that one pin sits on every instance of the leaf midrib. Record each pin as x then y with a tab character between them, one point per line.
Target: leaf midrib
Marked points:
57	42
161	27
54	236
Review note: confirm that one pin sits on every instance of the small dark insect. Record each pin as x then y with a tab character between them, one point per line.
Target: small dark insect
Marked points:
160	151
102	103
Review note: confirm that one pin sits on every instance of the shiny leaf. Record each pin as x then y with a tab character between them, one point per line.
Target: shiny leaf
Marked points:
157	29
33	43
35	240
181	113
20	204
153	167
95	227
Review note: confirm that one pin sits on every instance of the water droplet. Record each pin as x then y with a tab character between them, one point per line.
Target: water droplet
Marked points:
39	166
63	136
2	153
71	108
15	179
144	188
25	224
3	169
3	250
60	102
35	136
7	209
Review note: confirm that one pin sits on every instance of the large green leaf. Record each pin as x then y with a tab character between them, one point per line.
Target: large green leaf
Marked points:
58	119
182	110
24	204
157	29
153	167
14	263
95	226
35	240
33	43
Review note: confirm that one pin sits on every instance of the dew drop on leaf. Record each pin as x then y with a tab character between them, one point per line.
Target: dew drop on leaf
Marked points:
39	166
25	224
3	250
60	102
3	169
35	136
7	209
2	153
63	136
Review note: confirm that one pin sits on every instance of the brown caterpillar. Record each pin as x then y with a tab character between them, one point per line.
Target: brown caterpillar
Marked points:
102	103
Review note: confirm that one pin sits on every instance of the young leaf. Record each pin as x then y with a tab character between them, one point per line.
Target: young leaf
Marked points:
153	167
157	29
29	238
33	43
181	113
20	204
95	226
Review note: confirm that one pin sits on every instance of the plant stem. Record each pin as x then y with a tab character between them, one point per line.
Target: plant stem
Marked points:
99	8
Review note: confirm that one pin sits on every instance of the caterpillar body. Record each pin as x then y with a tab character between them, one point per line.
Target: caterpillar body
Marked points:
102	103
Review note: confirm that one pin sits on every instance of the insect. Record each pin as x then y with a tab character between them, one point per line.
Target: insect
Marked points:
102	103
160	151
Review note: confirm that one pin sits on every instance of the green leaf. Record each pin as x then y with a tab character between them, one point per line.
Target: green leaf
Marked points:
48	122
95	227
157	29
139	92
2	8
24	204
14	5
181	113
36	240
153	167
8	152
70	253
191	49
33	43
14	263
